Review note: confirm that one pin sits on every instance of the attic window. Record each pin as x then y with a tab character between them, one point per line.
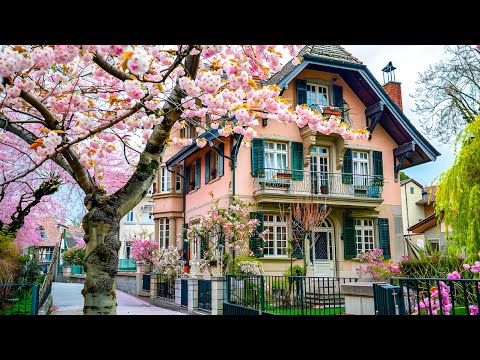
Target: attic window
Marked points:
412	190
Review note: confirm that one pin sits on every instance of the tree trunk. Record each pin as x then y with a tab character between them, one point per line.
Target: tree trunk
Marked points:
101	225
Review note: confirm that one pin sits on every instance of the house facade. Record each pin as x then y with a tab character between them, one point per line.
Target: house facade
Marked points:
287	165
411	192
137	223
433	233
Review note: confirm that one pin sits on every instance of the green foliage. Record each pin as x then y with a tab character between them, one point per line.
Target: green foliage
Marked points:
458	195
74	256
295	270
404	176
241	258
30	270
438	266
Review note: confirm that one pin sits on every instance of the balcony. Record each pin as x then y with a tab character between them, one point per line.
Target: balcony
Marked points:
318	184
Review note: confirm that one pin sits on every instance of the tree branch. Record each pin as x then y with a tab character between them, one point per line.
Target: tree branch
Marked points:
102	62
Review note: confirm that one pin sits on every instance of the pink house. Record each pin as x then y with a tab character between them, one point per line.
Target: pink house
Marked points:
287	165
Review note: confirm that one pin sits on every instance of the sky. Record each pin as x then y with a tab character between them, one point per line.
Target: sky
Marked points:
409	61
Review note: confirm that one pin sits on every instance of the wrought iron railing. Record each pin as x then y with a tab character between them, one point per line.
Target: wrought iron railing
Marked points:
19	299
77	270
127	265
285	295
298	182
205	294
431	296
165	287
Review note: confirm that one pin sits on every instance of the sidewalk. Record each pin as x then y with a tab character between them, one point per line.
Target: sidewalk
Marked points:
68	299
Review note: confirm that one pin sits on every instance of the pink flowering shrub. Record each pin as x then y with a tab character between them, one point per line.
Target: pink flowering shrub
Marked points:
143	250
80	243
376	267
168	261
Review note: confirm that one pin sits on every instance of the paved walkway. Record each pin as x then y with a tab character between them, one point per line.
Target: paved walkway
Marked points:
67	297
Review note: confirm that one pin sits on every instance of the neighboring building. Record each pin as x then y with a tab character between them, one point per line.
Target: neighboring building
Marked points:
412	211
138	223
432	232
358	179
54	234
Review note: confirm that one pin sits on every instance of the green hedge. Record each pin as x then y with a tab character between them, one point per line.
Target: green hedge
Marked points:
433	267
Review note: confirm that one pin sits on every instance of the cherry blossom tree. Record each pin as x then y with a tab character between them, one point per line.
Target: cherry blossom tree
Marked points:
104	114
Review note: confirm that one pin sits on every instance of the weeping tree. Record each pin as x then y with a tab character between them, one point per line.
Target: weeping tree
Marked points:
449	92
458	195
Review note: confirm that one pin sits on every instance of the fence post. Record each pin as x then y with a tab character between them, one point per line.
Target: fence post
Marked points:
178	291
139	277
218	294
34	308
192	295
153	285
262	294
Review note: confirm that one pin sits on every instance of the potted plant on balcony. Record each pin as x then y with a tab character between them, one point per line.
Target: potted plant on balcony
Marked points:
373	190
331	110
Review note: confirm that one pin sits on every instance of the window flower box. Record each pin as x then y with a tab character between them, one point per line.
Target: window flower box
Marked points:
284	175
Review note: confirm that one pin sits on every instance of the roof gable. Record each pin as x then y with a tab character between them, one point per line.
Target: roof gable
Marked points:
405	182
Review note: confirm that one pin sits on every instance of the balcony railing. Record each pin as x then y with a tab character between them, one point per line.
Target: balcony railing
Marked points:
298	182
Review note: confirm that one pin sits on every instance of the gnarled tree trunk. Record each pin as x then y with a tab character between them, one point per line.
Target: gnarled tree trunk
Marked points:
101	225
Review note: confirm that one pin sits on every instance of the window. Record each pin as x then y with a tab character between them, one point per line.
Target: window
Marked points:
398	224
178	179
147	213
317	95
130	216
128	250
152	189
188	132
276	238
360	169
276	158
43	234
48	254
214	157
412	190
434	244
166	179
163	232
364	240
192	177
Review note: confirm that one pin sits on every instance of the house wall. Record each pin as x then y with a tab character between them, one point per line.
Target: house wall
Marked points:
136	228
432	234
412	213
199	201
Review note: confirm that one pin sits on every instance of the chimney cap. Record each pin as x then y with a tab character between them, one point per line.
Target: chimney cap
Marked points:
389	67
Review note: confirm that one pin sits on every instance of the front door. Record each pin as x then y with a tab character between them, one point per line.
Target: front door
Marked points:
323	253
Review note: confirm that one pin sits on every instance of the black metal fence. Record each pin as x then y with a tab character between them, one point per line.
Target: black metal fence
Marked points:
165	287
284	295
432	296
205	295
19	299
146	282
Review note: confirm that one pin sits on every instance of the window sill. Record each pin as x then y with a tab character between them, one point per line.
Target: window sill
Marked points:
130	223
214	180
192	192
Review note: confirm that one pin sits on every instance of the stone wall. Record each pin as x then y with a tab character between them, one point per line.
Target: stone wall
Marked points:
126	282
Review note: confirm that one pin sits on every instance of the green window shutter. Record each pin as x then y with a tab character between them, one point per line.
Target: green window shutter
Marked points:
256	242
347	167
348	237
297	160
198	168
384	237
377	163
337	95
258	157
220	159
187	179
207	167
301	92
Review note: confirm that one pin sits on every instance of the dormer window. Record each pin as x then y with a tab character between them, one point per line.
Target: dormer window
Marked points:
317	95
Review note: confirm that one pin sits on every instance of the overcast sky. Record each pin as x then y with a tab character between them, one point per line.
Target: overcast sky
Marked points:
409	61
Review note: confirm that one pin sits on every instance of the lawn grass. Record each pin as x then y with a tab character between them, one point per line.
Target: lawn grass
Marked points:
298	311
21	307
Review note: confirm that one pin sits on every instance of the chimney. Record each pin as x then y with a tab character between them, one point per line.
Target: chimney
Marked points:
392	88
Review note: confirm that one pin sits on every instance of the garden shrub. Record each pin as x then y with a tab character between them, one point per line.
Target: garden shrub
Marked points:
432	267
248	265
74	256
295	270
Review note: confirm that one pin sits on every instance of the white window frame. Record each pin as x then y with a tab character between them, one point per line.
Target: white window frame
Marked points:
364	229
163	232
317	95
437	240
278	229
146	210
178	179
278	148
166	177
360	160
129	215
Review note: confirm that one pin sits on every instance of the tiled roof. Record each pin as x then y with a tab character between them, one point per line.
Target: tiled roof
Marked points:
403	182
333	52
421	223
52	232
426	197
